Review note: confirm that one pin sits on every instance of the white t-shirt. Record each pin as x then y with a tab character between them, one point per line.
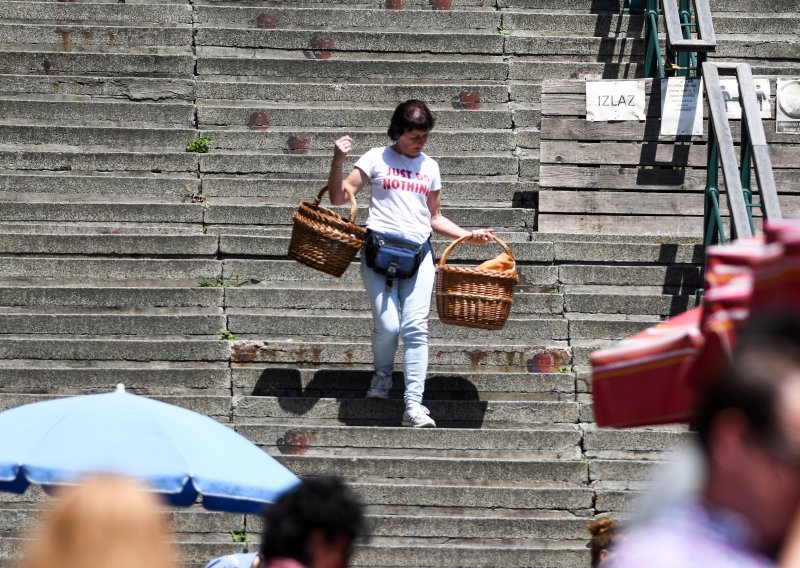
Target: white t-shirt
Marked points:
398	203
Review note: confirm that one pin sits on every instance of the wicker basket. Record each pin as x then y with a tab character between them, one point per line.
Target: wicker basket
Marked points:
472	297
323	239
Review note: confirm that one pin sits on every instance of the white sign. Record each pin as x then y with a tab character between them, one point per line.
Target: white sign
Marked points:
614	100
787	113
730	94
681	106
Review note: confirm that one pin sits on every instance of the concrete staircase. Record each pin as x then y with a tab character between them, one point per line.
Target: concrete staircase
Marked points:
127	259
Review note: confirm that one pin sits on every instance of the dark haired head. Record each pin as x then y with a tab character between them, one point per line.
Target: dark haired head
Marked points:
323	504
751	383
408	116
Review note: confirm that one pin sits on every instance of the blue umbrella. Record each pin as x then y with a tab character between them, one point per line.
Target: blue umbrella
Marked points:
180	453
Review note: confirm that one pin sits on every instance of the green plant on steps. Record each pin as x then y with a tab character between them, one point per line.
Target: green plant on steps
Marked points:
199	145
503	31
227	335
240	537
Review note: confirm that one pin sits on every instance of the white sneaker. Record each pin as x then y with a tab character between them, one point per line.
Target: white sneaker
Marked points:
380	385
417	416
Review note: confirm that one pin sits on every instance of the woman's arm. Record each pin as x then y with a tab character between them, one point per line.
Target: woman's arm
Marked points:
444	226
354	181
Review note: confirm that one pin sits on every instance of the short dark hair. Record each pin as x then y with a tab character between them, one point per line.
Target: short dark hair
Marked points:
752	389
410	115
322	504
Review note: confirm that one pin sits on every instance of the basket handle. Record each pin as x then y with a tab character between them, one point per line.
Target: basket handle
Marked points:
457	242
353	205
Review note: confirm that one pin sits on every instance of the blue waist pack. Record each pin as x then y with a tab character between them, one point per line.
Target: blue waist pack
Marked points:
393	256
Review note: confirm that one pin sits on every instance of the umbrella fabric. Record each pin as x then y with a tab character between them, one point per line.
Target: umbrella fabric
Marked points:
636	382
180	453
656	376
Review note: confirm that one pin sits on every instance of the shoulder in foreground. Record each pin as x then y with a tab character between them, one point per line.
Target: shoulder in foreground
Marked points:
239	560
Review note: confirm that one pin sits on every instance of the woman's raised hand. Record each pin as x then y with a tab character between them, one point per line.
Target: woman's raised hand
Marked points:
342	147
481	236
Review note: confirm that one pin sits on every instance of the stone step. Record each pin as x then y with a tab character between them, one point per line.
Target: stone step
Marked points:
290	270
439	468
144	377
37	292
475	494
617	444
432	91
278	245
55	208
282	17
615	24
361	411
104	244
265	116
615	5
293	140
620	300
58	109
435	555
299	439
108	269
442	383
589	249
608	326
344	323
503	356
473	163
40	134
321	44
121	184
89	159
102	86
156	12
111	321
161	62
91	36
680	276
561	529
337	299
99	228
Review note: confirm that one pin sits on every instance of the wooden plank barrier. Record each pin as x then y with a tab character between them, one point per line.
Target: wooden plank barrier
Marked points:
624	178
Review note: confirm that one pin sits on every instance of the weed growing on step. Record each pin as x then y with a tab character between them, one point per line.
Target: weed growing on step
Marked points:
563	369
240	537
227	335
199	145
503	31
227	282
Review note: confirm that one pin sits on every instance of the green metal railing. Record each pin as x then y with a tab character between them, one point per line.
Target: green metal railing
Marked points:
685	52
721	151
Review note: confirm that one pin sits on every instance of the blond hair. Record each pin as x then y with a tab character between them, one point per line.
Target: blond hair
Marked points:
603	531
105	522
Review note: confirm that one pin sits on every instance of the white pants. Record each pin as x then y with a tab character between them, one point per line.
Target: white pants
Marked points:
401	311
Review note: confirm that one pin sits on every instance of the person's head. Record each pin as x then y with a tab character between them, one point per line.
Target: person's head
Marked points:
411	123
749	427
603	531
103	522
316	523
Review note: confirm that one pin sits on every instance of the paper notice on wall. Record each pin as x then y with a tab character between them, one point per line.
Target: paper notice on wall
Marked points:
614	100
787	107
730	94
681	106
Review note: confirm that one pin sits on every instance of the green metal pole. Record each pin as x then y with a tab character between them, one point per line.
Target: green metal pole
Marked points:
684	58
653	65
712	222
746	162
635	6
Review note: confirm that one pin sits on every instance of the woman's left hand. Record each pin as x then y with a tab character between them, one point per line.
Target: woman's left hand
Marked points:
481	236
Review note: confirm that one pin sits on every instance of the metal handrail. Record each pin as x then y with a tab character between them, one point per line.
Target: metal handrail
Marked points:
685	54
721	150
